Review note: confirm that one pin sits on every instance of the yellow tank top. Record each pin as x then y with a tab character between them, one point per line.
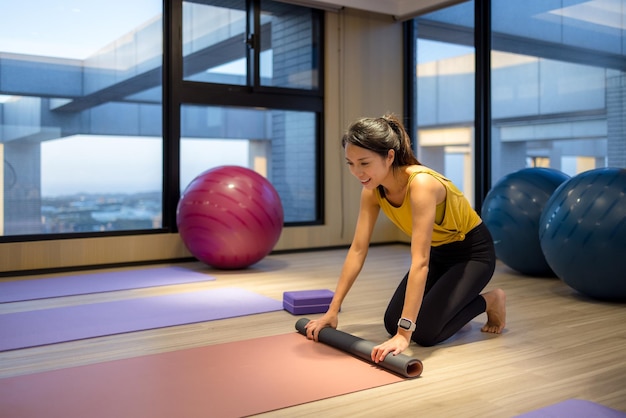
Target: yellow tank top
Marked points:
454	218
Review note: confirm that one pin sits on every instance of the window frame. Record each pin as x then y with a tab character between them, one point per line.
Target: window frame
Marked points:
186	92
176	91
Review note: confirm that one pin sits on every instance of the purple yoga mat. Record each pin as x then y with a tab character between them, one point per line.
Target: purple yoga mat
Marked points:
82	284
49	326
574	408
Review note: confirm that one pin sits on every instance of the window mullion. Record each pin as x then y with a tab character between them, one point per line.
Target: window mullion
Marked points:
253	42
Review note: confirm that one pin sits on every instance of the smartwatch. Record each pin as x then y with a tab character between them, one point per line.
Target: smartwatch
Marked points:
406	324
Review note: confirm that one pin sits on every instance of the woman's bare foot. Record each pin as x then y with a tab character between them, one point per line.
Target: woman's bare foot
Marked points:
496	311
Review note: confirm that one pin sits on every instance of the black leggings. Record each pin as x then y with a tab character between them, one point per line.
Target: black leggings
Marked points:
457	273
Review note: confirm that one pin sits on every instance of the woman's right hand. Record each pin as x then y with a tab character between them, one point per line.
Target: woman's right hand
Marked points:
314	326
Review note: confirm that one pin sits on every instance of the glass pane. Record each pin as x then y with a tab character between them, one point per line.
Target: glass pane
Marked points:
289	53
278	144
214	48
557	85
80	116
445	93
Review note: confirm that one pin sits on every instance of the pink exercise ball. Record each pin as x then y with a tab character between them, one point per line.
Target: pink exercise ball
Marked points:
230	217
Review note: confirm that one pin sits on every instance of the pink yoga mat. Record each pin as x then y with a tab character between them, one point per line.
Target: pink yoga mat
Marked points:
226	380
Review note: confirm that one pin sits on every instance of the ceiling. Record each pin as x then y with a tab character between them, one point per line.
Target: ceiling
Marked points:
398	9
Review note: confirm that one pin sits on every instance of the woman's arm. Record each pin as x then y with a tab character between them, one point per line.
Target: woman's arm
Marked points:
353	263
425	193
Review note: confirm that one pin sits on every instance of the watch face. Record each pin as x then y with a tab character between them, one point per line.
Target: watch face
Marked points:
404	323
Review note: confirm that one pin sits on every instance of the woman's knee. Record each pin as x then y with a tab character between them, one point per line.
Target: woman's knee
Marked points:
421	337
427	333
424	340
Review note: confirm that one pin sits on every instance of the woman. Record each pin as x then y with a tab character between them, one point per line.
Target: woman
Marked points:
452	253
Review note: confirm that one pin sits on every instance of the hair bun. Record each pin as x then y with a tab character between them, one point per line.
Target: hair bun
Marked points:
393	123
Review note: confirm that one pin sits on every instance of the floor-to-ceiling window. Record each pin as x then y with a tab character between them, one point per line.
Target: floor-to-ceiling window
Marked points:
80	116
445	93
558	85
104	120
277	67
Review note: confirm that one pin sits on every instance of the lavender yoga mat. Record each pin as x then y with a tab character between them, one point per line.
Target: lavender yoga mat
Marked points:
224	380
574	408
81	284
49	326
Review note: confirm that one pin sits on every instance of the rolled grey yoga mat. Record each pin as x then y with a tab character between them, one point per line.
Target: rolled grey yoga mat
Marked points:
401	364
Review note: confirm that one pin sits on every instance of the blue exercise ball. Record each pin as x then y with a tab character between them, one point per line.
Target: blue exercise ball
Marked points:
583	233
511	211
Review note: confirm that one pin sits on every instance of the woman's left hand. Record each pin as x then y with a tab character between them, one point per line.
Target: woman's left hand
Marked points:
394	346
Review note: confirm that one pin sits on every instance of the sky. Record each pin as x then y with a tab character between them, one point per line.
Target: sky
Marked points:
91	164
40	26
431	51
106	164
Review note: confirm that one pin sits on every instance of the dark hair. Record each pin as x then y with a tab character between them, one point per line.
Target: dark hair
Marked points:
380	135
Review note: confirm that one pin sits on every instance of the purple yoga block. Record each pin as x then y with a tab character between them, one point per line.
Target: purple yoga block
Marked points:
302	302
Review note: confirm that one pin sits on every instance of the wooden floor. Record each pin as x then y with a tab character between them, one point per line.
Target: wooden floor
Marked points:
557	345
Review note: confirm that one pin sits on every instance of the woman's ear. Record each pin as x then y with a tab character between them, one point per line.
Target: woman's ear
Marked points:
391	155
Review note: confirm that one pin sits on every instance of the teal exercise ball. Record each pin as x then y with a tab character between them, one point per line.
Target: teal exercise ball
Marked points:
583	233
511	211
